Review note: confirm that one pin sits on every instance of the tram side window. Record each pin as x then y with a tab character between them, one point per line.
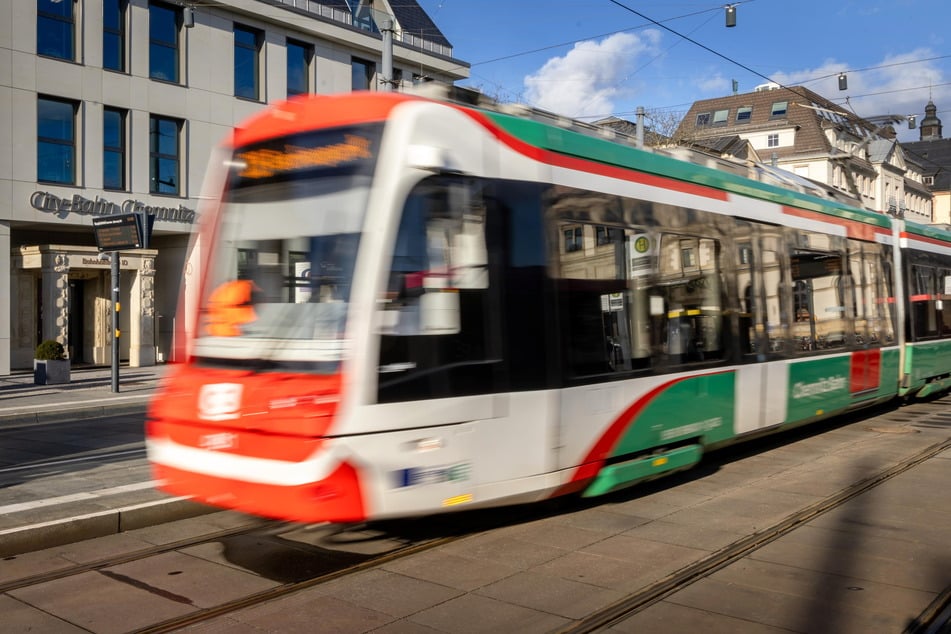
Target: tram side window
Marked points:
686	300
873	322
924	317
749	314
944	302
771	265
436	335
820	296
602	331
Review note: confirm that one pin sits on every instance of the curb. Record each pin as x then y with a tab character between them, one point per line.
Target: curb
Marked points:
25	539
76	412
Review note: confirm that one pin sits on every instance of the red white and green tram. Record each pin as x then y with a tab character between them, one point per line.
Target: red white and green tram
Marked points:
412	305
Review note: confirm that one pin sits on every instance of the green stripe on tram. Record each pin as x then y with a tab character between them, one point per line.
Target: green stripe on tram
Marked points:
678	422
572	143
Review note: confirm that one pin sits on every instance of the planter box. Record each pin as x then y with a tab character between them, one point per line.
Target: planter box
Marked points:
50	371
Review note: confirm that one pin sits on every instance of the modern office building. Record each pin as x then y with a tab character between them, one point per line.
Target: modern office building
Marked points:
109	107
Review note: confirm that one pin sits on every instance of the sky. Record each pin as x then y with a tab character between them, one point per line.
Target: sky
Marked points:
590	59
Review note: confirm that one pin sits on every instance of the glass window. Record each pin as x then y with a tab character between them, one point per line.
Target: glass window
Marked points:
113	34
687	299
247	53
772	140
164	26
703	119
361	74
55	29
574	239
299	58
720	117
113	148
778	110
820	298
164	155
56	140
744	114
922	300
438	324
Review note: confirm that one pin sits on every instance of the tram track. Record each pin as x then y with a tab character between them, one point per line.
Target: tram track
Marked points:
278	592
409	540
679	580
254	525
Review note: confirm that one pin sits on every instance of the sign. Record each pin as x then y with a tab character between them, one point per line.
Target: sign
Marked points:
114	233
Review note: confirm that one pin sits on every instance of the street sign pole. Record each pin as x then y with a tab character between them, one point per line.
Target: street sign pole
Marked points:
115	321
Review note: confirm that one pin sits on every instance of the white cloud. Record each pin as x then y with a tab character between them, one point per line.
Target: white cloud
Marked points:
892	86
588	79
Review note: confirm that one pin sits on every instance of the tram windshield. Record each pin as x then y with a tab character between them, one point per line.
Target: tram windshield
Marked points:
281	266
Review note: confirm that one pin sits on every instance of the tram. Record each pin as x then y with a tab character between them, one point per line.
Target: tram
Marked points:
413	304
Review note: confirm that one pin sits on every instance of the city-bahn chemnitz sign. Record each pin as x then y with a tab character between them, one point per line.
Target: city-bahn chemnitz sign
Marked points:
45	201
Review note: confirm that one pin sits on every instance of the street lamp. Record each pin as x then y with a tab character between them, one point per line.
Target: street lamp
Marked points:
730	15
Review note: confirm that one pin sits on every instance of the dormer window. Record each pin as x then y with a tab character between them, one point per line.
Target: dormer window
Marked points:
720	117
778	110
744	114
703	119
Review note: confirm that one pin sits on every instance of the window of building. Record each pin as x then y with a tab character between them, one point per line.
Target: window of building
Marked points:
247	62
164	155
56	140
928	180
720	117
56	29
113	148
164	27
772	140
361	74
605	235
299	56
703	119
574	240
744	114
778	110
113	34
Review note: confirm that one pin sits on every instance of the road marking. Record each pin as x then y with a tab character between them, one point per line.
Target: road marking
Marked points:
72	405
78	497
55	463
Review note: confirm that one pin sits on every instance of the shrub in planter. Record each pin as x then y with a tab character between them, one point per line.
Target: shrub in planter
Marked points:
50	364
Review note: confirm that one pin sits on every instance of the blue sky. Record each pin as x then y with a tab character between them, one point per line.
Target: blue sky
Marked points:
593	58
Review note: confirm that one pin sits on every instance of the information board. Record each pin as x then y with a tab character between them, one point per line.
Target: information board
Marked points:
114	233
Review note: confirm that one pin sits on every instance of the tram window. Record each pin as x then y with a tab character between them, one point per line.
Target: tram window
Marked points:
688	287
749	314
436	334
820	296
922	301
772	280
602	301
872	309
944	303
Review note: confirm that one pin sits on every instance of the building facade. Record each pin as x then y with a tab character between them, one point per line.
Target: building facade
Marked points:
802	132
933	152
109	107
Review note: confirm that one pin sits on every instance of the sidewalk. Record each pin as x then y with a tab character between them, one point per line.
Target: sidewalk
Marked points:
87	395
63	481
